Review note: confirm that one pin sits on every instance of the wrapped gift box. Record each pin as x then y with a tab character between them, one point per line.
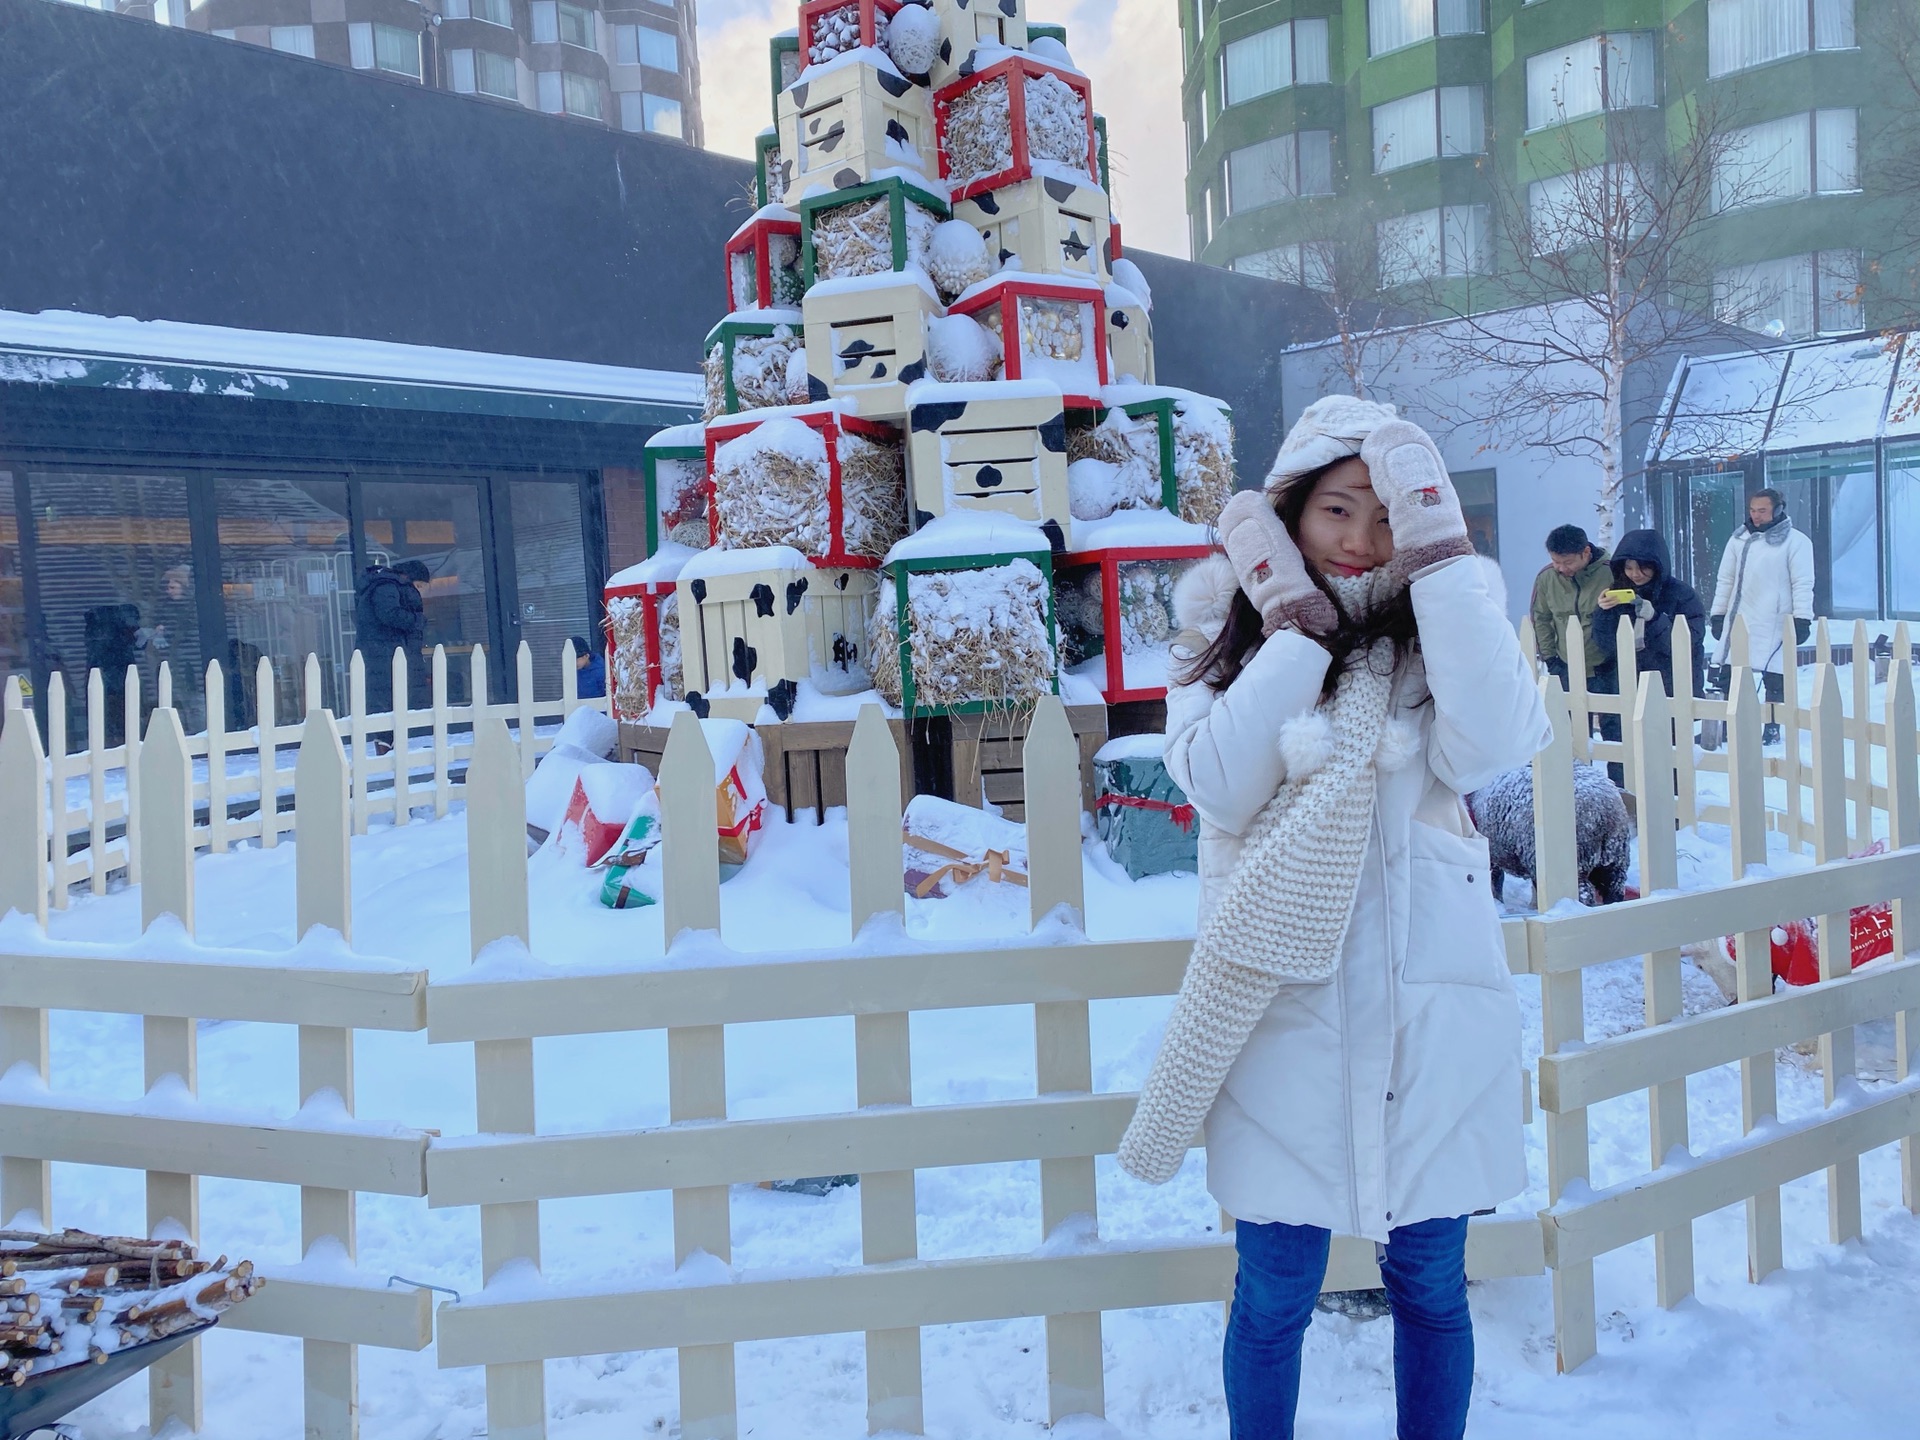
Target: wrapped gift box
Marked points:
1140	815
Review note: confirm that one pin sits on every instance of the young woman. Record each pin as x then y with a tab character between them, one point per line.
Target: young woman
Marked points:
1346	1029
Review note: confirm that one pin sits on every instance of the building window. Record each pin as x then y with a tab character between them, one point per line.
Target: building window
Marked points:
1308	264
1431	244
227	34
1447	121
493	12
663	117
1291	54
1841	485
1795	297
1603	72
1903	531
555	21
1396	24
292	39
1790	158
582	95
1479	493
1584	207
1744	33
547	92
386	47
1284	167
643	45
484	71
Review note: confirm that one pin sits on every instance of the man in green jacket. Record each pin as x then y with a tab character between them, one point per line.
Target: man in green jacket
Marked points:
1570	585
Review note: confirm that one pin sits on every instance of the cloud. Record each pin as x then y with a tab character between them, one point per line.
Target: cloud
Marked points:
1130	49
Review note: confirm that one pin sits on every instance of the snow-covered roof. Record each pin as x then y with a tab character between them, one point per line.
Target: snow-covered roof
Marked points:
120	352
1791	397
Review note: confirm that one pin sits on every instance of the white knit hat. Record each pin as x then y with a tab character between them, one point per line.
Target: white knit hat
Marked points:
1330	429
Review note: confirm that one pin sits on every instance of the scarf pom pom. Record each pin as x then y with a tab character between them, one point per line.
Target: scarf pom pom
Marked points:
1399	743
1306	744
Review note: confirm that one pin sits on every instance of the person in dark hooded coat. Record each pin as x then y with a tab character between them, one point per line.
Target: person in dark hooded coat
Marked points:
1641	564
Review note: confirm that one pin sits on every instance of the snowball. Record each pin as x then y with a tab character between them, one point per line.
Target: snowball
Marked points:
797	389
1046	48
960	348
913	39
957	258
1127	275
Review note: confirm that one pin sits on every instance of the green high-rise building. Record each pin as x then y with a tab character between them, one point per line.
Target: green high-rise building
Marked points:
1405	134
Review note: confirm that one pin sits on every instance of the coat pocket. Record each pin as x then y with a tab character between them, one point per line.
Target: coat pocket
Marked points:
1453	929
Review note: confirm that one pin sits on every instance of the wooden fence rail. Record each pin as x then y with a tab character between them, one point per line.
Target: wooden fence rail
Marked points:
242	784
508	1169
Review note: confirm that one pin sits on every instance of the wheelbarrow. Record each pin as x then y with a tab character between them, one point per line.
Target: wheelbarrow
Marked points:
49	1395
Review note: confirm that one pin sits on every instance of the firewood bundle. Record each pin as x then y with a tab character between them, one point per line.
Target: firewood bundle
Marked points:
75	1298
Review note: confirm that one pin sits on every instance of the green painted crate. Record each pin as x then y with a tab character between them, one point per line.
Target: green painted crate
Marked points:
898	192
650	459
784	67
766	155
910	706
728	334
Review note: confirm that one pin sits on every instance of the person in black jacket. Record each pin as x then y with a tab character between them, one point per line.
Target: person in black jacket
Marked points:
389	614
1641	564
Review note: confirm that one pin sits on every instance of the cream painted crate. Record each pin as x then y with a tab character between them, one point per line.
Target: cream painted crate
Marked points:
967	23
971	447
1129	337
867	342
1049	224
849	125
750	636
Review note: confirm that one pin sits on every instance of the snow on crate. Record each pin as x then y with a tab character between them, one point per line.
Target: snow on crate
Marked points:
747	361
865	229
763	261
974	33
585	740
814	477
674	473
606	798
1051	327
996	447
947	845
75	1298
1152	445
1045	225
643	630
867	339
1114	599
1012	119
762	625
967	631
850	122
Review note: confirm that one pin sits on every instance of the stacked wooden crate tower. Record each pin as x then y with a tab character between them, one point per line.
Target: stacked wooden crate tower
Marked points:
934	462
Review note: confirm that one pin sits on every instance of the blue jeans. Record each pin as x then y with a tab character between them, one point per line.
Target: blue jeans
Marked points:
1281	1270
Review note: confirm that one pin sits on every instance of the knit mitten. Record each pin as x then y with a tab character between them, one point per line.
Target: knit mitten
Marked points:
1411	480
1271	570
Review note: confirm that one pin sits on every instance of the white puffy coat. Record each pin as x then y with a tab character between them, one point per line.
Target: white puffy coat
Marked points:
1391	1093
1764	582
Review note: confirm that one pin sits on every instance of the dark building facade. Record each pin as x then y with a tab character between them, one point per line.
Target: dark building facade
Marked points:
357	324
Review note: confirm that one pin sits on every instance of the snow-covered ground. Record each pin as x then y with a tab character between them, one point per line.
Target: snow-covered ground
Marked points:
1822	1349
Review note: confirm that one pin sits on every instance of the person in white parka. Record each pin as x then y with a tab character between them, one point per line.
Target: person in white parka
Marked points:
1766	575
1346	1029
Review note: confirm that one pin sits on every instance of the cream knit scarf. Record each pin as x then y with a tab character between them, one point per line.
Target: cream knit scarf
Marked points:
1283	918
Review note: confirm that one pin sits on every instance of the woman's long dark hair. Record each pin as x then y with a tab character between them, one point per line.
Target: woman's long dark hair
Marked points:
1219	665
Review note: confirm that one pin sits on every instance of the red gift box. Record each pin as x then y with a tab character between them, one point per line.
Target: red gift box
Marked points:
1015	70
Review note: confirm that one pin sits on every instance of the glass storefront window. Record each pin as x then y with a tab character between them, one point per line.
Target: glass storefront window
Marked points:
115	562
286	587
551	576
1903	531
1837	490
439	528
13	591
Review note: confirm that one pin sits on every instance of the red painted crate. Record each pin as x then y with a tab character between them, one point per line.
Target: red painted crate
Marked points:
871	12
763	262
1016	72
998	304
833	425
643	639
1076	569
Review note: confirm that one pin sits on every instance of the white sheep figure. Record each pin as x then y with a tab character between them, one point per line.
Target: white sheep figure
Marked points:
1603	836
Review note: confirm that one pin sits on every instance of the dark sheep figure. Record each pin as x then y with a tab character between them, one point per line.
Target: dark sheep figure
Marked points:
1503	811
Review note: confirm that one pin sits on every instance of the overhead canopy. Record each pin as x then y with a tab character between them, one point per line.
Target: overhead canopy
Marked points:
1833	392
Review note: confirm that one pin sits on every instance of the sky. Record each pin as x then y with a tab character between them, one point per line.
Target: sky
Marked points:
1130	48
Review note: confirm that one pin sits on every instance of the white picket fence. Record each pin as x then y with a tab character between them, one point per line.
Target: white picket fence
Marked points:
95	833
507	1168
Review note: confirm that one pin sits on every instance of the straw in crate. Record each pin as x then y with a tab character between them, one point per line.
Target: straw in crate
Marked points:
763	261
1018	118
830	28
868	229
1151	447
1116	614
749	361
828	483
967	633
643	633
1050	328
773	171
